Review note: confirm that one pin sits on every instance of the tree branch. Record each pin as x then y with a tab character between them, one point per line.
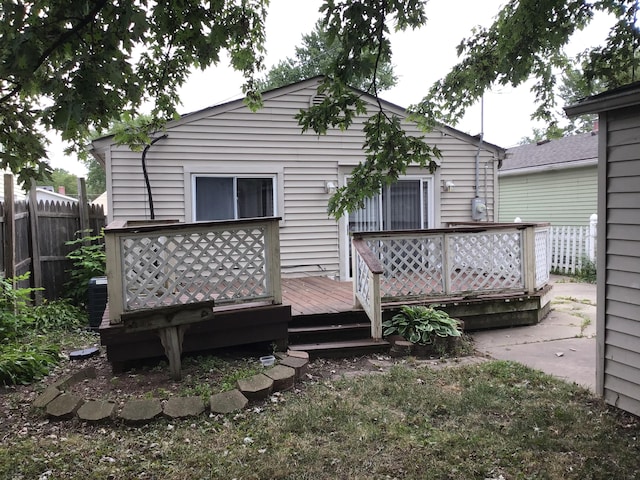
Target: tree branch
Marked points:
99	5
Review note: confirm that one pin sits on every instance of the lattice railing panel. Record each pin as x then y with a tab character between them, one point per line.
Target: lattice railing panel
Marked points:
543	255
485	261
362	280
412	265
226	265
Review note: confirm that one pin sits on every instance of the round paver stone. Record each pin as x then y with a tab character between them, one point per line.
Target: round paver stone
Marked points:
227	402
96	410
283	377
64	406
178	407
257	387
141	410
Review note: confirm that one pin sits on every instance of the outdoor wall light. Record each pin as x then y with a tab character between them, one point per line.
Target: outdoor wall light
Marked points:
330	187
449	185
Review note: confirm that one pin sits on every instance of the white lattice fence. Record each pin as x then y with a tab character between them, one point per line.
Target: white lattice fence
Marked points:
229	262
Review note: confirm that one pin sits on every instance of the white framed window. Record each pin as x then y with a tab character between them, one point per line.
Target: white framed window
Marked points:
231	197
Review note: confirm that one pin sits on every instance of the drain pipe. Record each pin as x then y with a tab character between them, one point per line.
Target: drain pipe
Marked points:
478	205
146	174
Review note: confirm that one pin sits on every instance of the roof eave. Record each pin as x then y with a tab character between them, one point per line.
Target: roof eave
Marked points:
611	100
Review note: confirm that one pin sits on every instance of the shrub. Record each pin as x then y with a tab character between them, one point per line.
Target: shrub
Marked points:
25	355
420	324
588	271
89	260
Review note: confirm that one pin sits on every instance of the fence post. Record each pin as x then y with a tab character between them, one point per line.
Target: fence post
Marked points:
9	228
36	267
83	208
593	233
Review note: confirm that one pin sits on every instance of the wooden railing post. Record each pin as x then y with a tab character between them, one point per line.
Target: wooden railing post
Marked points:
114	272
272	238
529	258
376	306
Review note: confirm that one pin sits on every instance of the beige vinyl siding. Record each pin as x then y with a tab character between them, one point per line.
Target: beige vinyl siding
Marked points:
620	374
230	139
561	197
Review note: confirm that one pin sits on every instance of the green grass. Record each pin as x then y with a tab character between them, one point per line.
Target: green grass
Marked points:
493	420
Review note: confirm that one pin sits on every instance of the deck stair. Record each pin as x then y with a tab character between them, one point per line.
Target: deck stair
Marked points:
336	335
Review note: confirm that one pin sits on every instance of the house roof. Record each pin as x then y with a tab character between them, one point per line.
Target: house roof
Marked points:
233	104
566	152
610	100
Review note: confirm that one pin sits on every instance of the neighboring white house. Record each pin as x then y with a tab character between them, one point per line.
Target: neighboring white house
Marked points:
618	316
552	181
44	194
227	162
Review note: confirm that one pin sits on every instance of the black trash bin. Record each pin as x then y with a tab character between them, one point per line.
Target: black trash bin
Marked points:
97	301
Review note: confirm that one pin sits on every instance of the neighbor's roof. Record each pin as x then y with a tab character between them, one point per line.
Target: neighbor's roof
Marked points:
620	97
565	152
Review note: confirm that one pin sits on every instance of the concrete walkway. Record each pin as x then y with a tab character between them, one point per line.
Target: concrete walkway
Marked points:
563	344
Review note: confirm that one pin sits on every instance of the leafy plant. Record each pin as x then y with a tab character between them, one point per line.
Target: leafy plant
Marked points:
25	363
25	353
89	260
587	273
421	324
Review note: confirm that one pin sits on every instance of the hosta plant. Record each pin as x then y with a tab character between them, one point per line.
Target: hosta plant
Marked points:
421	324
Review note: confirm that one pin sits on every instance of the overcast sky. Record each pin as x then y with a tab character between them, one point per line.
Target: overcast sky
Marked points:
419	57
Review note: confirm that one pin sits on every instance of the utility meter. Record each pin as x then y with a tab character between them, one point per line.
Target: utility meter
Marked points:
478	209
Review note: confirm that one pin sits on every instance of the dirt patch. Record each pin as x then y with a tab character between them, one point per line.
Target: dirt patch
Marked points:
202	376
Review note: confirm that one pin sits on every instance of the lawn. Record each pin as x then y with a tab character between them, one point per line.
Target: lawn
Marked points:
494	420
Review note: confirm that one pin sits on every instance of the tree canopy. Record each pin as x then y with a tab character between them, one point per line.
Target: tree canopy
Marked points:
314	57
76	65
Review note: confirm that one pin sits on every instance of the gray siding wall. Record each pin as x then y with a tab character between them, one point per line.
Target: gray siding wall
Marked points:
560	197
228	140
619	270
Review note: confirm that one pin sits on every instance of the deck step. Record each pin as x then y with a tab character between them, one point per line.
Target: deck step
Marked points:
347	348
325	328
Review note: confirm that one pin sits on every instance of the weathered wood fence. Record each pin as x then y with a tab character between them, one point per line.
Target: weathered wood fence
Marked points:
33	237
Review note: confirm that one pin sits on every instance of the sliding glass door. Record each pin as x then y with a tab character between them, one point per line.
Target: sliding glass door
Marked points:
403	205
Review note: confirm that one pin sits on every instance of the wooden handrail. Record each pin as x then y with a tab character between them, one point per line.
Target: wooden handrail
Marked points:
373	264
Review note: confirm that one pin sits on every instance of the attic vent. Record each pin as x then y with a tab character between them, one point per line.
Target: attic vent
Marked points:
317	99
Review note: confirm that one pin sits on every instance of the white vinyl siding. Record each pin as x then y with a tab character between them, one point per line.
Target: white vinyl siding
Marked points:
619	372
231	140
560	197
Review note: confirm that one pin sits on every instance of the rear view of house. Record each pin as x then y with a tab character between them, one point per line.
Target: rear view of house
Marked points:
226	162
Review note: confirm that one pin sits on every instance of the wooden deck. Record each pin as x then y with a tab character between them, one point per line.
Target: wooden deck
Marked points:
317	295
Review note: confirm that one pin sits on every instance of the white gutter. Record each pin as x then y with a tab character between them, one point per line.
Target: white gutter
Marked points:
551	166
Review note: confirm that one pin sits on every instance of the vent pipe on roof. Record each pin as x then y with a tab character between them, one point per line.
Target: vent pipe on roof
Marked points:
146	174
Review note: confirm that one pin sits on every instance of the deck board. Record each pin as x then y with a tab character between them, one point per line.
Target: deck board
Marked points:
317	295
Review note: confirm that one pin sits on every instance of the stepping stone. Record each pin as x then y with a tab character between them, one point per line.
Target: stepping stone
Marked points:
178	407
84	353
64	406
96	410
46	397
141	410
227	402
298	364
72	379
401	348
257	387
283	377
298	354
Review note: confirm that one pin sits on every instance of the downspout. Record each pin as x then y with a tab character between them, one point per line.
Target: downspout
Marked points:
146	175
478	205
